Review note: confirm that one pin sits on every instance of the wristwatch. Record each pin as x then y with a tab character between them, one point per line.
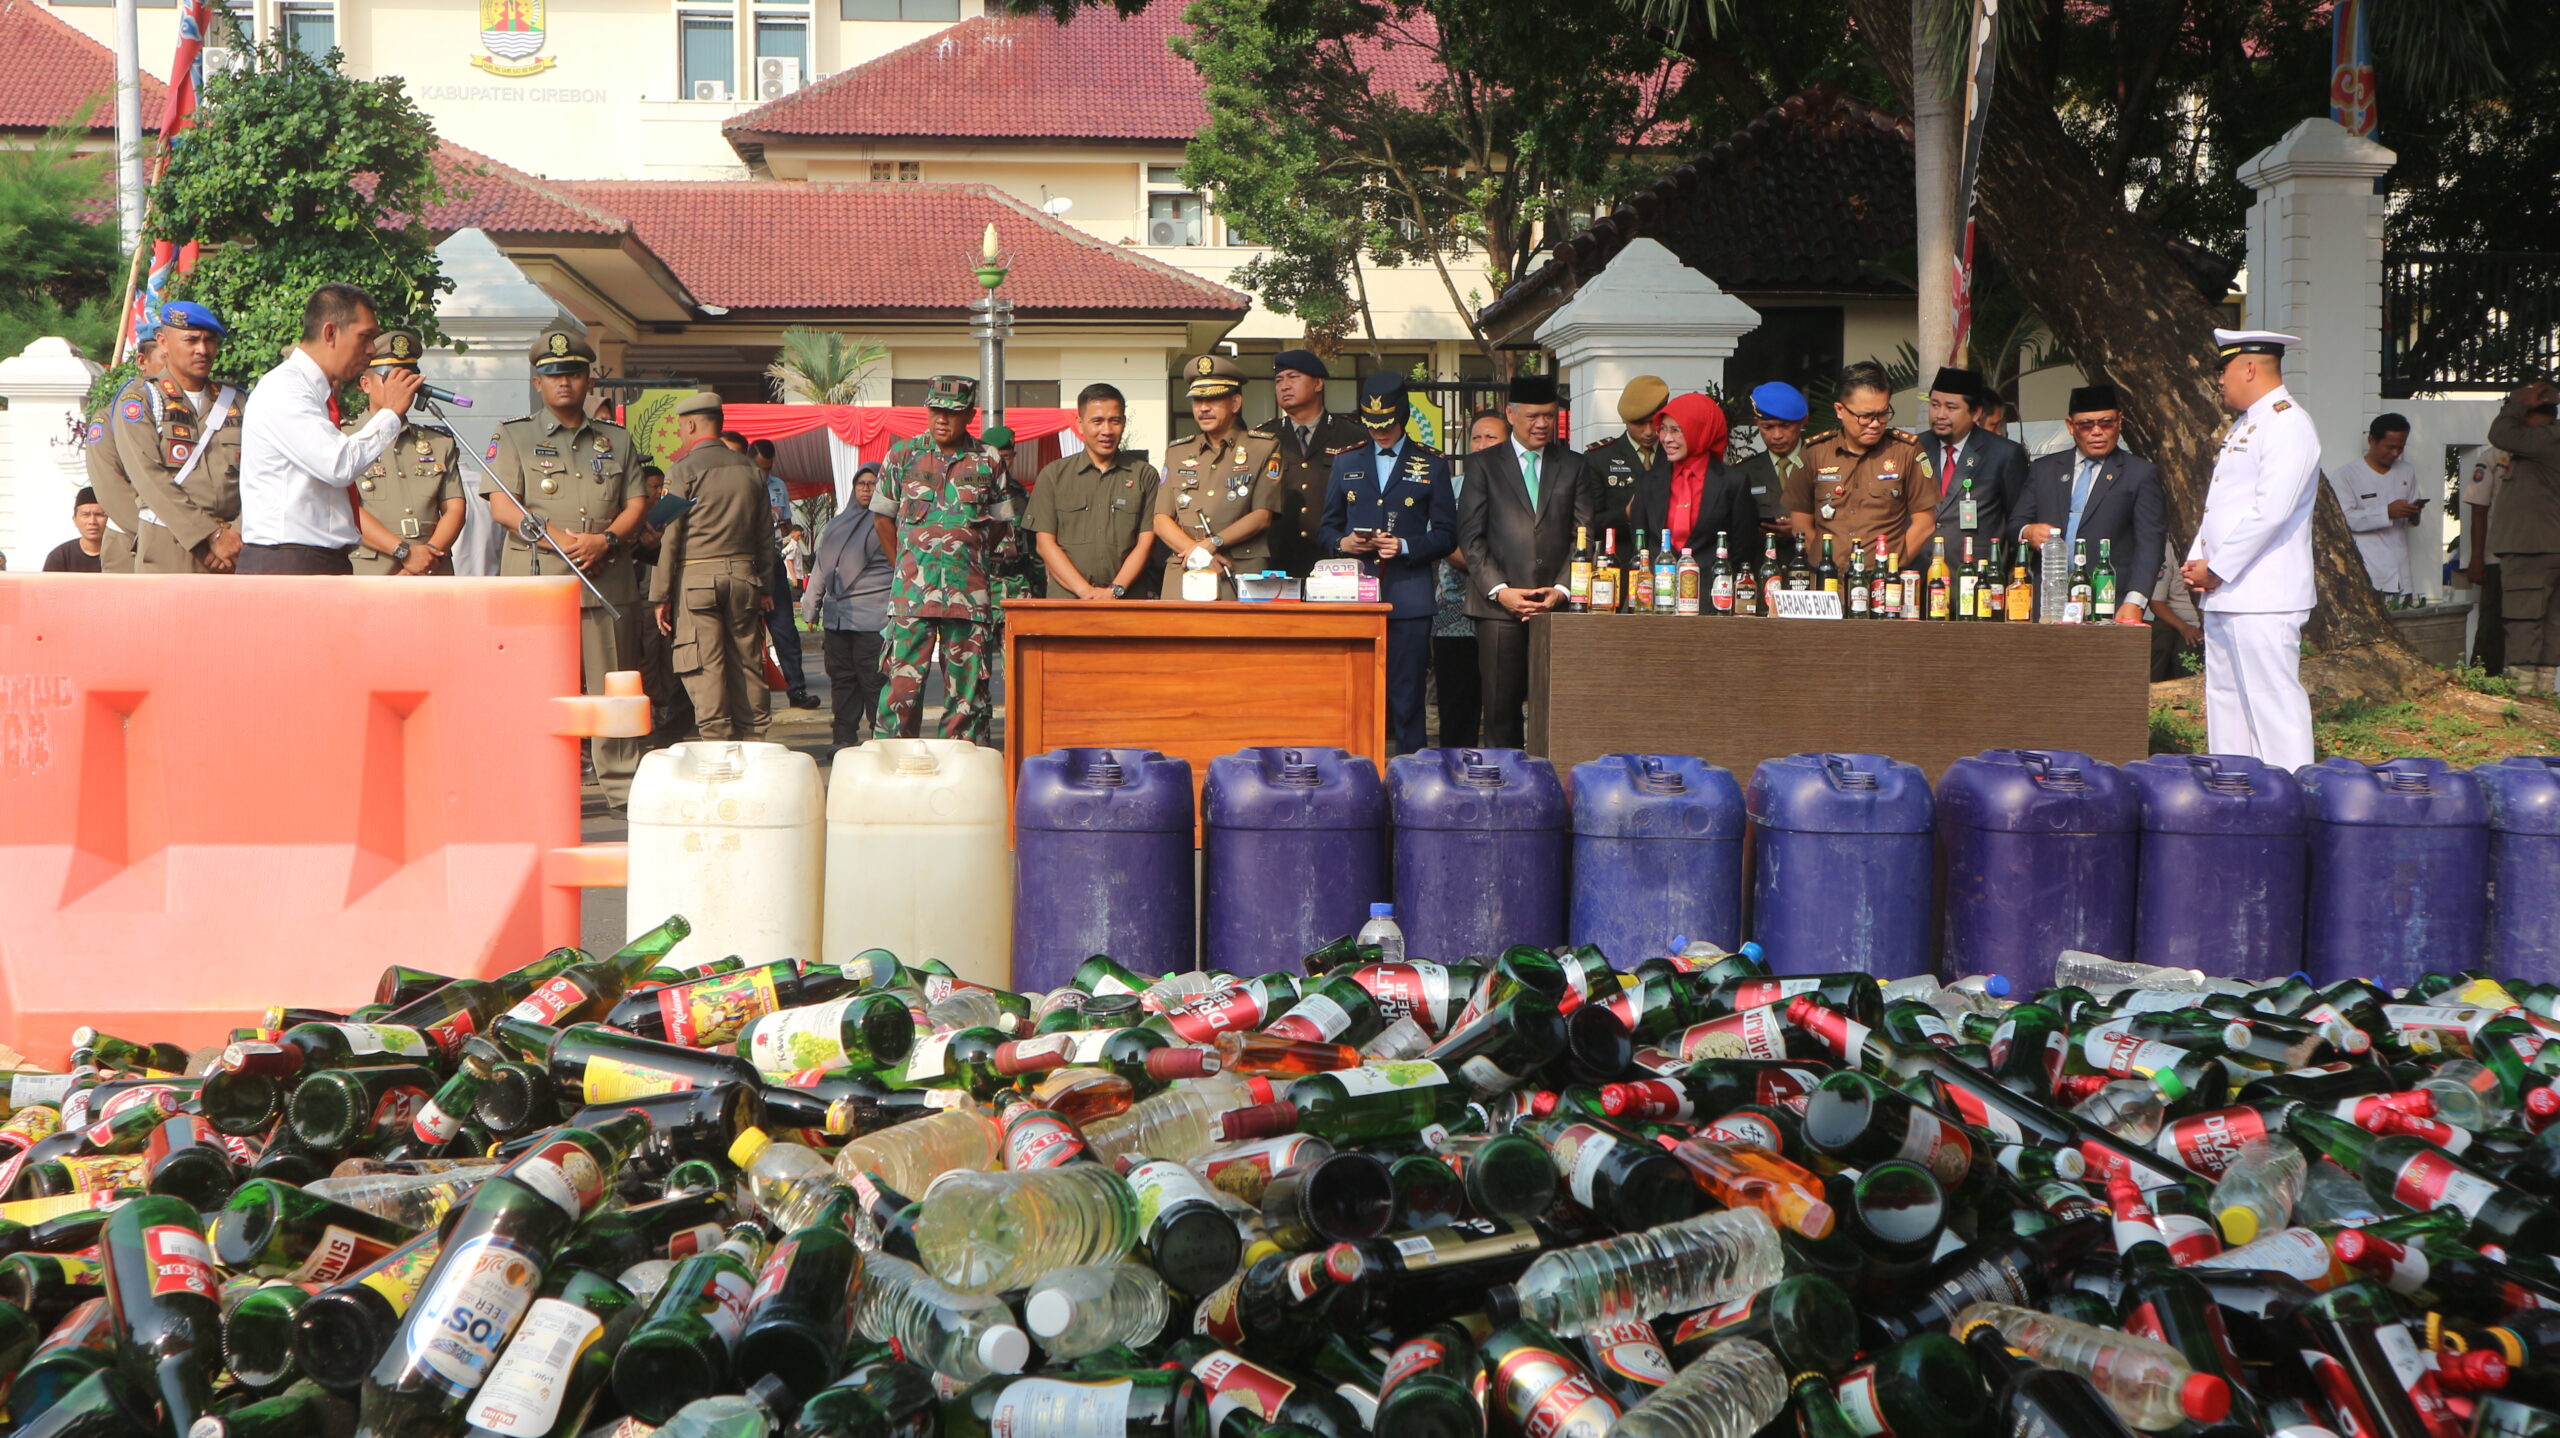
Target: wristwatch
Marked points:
401	555
1119	591
1217	541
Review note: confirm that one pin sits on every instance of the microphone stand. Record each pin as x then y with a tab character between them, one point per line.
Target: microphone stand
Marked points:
538	529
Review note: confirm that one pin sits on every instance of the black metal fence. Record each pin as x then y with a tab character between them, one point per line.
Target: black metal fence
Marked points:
2456	322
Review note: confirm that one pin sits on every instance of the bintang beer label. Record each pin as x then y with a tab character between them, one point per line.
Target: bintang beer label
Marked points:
1548	1395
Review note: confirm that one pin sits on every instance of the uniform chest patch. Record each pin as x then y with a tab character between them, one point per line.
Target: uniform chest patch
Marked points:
133	411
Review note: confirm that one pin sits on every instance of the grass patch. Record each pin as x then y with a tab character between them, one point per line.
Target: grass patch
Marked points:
2175	731
2481	681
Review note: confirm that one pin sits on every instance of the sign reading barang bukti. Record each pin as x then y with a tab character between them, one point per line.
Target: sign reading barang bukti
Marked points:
511	31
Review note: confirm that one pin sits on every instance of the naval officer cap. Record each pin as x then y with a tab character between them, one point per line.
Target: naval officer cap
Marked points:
699	402
2229	345
561	350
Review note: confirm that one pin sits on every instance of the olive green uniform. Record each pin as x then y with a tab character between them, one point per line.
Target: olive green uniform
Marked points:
405	491
711	568
577	479
1095	515
1209	487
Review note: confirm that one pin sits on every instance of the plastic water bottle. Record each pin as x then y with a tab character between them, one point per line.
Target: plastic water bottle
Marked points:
2258	1191
1403	1039
1180	1124
1076	1311
1635	1277
412	1200
1383	930
2101	975
1734	1391
2128	1108
912	1155
962	1336
987	1232
1174	990
2147	1381
760	1412
786	1182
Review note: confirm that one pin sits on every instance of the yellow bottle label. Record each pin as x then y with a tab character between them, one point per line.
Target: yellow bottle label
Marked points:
610	1080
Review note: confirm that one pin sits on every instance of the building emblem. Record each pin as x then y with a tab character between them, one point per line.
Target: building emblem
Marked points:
511	31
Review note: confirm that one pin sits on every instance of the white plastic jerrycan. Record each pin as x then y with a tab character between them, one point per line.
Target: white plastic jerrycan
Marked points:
729	835
916	856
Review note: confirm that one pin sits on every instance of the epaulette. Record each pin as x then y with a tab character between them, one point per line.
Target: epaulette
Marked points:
1906	436
1823	438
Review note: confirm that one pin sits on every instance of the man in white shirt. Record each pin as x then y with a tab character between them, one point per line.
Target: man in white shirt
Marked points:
2251	561
2378	490
297	514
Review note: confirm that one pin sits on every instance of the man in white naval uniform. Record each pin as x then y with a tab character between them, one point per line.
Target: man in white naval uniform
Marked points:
2251	563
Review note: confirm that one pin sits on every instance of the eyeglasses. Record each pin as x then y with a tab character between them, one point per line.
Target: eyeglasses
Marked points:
1869	416
2104	421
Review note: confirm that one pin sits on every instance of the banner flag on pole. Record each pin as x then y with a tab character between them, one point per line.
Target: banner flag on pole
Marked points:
1982	67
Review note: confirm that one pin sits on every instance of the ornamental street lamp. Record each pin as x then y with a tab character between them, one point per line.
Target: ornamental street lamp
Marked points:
991	324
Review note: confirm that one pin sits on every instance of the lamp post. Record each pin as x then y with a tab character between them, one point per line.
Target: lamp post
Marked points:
991	324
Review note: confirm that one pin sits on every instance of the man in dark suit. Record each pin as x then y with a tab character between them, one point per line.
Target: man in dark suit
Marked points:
1516	515
1980	474
1389	504
1308	440
2097	491
1622	463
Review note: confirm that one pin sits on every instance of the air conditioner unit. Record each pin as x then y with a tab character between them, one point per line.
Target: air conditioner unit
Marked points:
711	89
1164	232
776	76
224	60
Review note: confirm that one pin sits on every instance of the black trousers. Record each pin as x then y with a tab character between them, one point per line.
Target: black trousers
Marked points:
293	559
2489	646
853	680
1502	668
1408	678
1453	669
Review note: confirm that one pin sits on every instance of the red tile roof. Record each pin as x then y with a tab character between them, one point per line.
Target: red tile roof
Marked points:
49	69
482	193
889	249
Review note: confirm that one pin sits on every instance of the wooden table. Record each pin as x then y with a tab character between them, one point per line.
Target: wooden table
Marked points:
1193	680
1737	691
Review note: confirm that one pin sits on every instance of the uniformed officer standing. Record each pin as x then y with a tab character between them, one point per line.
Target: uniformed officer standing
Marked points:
1778	411
412	496
1626	459
2524	532
2251	563
1308	440
708	586
580	477
1221	487
165	457
1391	505
944	490
1868	479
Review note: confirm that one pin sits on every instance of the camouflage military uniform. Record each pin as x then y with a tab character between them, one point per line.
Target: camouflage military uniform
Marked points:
952	514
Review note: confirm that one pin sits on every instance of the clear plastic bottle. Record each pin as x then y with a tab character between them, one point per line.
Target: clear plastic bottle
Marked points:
1081	1310
989	1232
2258	1191
646	1277
1174	990
2101	975
760	1412
910	1156
1674	1268
2467	1095
1733	1391
412	1200
2330	1194
962	1336
1403	1039
1383	930
971	1009
2128	1108
1180	1124
2148	1383
785	1182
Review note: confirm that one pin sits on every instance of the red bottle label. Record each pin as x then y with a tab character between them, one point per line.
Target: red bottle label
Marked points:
1550	1396
1235	1384
547	1003
180	1260
2432	1180
2208	1142
1238	1008
1415	1356
1040	1140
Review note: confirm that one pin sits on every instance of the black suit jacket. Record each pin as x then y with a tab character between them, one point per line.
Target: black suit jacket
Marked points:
1725	507
1998	466
2128	506
1506	542
1295	545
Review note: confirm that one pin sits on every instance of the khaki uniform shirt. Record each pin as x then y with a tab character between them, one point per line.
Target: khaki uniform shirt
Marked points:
2526	517
406	491
729	518
1857	495
1096	515
577	479
1207	488
137	446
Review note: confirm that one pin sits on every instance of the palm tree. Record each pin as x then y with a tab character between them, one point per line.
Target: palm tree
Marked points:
821	366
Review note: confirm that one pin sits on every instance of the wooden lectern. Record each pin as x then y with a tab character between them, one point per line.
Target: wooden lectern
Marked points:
1193	680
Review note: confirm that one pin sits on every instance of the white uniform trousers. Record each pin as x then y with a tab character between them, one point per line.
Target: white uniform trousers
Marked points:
2254	702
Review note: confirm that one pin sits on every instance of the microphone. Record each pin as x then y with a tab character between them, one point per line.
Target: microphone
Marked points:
442	395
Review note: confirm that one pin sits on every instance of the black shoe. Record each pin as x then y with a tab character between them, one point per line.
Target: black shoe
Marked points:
803	699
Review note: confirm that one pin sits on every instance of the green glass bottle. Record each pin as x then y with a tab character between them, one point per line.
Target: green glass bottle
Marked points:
1428	1390
1922	1387
1805	1319
161	1285
797	1317
2416	1174
341	1330
339	1111
257	1334
589	1063
1148	1403
680	1350
304	1409
1494	1051
1535	1385
271	1227
866	1031
1378	1100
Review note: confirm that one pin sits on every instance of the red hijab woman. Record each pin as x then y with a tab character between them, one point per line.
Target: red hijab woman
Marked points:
1693	439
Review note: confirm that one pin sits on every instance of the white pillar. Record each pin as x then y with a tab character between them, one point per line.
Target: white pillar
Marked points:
1645	313
498	313
43	456
129	121
2315	270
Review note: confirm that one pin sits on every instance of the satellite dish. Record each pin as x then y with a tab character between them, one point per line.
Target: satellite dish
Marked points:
1056	205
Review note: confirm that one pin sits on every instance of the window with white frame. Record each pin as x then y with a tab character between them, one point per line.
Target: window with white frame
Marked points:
1175	214
708	53
310	26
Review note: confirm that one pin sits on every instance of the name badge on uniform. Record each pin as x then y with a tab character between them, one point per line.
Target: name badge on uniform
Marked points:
1968	515
546	451
1830	500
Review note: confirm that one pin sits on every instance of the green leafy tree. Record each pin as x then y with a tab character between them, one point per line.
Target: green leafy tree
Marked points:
294	176
58	268
821	366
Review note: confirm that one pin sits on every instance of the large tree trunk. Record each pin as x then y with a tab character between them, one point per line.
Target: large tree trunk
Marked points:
2126	307
1937	152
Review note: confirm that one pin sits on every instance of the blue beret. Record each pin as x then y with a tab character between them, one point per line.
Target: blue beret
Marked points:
1782	402
188	315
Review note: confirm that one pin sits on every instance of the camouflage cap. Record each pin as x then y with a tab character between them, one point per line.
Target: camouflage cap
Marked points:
561	350
1212	375
397	347
951	391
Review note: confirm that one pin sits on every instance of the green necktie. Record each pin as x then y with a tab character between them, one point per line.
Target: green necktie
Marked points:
1529	474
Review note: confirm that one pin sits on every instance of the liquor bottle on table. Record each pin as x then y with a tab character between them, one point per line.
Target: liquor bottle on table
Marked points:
1746	582
1578	577
1685	596
1941	579
2104	587
1992	599
1720	579
1636	593
2021	596
1666	577
1860	600
1968	583
1604	576
1799	569
2076	598
1826	575
1773	577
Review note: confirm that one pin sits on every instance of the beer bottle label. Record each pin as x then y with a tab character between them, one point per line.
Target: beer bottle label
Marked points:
481	1290
524	1391
1056	1408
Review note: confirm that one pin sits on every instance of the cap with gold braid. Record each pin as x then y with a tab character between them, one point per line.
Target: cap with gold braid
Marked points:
396	347
1383	402
2229	345
1214	375
560	350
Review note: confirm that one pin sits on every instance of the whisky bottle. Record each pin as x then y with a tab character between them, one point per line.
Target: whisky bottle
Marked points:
1720	581
1826	575
2076	607
1578	578
1604	577
1939	579
1969	580
1685	591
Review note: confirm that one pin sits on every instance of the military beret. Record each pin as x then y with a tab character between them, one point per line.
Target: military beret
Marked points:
1212	375
1952	380
561	350
951	391
1382	400
1535	389
397	347
1781	402
699	402
1643	398
2091	398
996	436
1303	361
188	315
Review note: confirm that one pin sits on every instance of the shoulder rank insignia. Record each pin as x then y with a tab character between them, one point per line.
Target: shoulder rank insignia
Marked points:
2281	406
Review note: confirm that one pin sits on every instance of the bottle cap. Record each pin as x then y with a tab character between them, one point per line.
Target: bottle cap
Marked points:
1502	1305
1997	986
1016	1057
2240	1225
1166	1065
1048	1312
750	1142
2205	1397
1616	1099
2171	1087
1382	911
2351	1245
1004	1348
1343	1263
1261	1120
272	1060
776	1396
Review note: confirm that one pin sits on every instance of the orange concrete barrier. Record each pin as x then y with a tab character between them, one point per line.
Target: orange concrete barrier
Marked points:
218	793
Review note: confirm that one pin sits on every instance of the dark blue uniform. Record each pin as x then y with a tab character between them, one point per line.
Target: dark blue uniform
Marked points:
1418	505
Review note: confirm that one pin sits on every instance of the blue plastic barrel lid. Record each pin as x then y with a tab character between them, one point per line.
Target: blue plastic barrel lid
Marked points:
1493	790
2523	793
1293	787
2216	794
2397	793
1655	796
2038	791
1121	791
1840	794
